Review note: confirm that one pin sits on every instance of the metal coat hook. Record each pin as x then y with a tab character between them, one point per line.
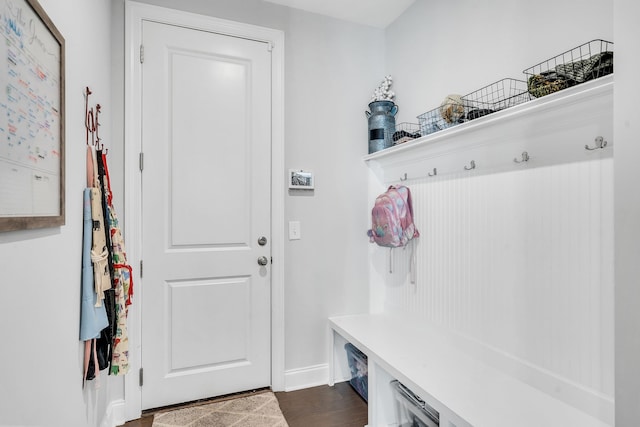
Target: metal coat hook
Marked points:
404	178
600	144
525	158
472	165
89	122
435	172
97	125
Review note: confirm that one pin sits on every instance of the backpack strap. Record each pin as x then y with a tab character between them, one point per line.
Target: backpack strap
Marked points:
416	233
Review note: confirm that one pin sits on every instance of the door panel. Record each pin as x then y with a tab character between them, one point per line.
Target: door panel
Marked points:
200	314
209	134
206	201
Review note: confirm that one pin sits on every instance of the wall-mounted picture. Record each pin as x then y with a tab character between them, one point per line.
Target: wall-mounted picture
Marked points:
300	180
31	118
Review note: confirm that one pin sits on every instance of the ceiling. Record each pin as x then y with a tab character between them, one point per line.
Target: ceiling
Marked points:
377	13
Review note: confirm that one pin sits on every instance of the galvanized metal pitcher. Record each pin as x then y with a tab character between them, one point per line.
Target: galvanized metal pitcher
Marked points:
382	124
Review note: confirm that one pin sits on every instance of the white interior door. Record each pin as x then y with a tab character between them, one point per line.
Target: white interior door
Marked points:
206	134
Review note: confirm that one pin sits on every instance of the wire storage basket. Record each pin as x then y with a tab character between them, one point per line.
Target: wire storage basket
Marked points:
586	62
451	112
497	96
404	132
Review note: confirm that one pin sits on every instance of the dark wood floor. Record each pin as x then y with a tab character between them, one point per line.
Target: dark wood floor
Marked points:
324	406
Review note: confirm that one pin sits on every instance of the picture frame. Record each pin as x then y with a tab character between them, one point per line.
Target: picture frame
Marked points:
32	118
301	180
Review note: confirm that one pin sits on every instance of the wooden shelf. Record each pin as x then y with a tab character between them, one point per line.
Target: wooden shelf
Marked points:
552	130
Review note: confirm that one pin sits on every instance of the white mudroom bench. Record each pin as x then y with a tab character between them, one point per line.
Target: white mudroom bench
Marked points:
434	365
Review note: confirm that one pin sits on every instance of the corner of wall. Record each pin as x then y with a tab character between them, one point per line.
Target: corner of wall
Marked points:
114	414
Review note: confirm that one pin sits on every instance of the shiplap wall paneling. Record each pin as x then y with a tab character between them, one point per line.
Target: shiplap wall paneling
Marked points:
519	262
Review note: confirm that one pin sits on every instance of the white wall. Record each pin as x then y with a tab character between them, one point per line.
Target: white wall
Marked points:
41	355
455	47
331	69
627	199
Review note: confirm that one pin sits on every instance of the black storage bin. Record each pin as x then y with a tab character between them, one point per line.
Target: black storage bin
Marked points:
359	370
413	411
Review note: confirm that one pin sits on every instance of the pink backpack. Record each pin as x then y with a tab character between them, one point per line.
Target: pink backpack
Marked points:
392	218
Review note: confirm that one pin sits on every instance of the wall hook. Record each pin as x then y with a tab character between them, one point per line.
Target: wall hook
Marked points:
600	144
98	111
90	125
472	165
89	122
525	158
435	172
404	178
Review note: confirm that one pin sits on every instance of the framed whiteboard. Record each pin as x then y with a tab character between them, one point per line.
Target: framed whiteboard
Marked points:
31	118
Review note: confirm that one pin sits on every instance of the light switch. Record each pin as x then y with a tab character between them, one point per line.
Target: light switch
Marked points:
294	230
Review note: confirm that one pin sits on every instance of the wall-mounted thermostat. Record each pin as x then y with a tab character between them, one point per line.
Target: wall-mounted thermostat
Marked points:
300	179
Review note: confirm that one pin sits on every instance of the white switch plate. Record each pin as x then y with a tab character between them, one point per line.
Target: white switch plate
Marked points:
294	230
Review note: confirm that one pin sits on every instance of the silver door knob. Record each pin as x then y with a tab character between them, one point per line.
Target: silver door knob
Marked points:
263	260
262	241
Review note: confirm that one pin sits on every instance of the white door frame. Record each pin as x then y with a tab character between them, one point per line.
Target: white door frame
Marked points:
135	14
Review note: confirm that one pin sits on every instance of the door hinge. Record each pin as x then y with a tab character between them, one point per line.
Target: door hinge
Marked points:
141	161
141	269
140	377
141	54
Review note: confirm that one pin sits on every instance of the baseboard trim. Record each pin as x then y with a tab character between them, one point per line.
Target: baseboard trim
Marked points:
114	415
311	376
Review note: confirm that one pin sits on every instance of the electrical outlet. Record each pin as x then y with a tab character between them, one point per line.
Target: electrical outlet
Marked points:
294	230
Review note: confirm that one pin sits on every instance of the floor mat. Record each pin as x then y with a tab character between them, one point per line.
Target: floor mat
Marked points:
256	410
